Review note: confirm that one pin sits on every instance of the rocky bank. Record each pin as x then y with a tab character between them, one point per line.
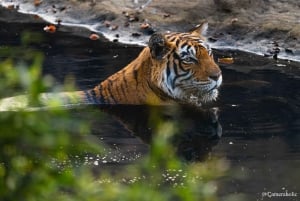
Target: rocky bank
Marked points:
268	27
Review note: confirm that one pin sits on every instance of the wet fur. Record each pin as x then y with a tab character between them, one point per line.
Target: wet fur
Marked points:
174	67
149	79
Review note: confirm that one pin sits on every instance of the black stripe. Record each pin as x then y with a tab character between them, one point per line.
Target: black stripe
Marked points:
94	96
176	74
177	42
179	76
159	92
102	100
168	69
188	49
125	83
88	96
196	40
110	92
117	90
175	68
169	74
185	34
181	68
168	36
124	78
123	90
188	78
172	39
184	44
135	76
176	56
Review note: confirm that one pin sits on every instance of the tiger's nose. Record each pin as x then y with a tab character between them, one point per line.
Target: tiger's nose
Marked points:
215	76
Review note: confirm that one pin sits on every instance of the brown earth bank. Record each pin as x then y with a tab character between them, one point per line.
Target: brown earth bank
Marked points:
269	27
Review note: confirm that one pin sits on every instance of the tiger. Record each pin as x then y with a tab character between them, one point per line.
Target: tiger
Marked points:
175	67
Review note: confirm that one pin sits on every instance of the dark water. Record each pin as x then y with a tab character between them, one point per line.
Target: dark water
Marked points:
255	124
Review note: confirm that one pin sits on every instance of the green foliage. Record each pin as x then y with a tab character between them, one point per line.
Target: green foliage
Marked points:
29	141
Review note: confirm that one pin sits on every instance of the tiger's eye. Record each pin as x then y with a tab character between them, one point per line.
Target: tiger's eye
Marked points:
188	59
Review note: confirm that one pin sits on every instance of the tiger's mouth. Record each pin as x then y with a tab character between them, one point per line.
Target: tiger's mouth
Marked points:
200	93
194	92
203	97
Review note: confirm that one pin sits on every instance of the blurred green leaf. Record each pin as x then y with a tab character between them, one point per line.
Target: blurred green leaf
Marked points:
37	149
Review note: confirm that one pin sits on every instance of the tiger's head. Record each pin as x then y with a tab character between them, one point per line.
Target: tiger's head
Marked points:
183	66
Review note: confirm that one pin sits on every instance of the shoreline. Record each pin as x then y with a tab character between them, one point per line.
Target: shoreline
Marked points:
111	26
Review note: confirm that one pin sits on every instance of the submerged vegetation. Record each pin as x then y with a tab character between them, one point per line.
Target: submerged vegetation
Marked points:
31	140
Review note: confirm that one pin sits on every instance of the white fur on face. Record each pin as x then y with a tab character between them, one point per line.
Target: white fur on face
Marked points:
179	84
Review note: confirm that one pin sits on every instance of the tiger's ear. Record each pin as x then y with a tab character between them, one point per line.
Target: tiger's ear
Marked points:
158	46
200	29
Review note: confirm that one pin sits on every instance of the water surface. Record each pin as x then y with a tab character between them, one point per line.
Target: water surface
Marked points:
255	124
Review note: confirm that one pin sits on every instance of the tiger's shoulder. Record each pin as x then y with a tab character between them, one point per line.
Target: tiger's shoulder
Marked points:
174	67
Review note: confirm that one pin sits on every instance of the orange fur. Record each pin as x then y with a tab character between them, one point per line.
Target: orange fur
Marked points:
131	85
174	67
140	82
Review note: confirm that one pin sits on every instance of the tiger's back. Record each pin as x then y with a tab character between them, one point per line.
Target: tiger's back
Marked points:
174	67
